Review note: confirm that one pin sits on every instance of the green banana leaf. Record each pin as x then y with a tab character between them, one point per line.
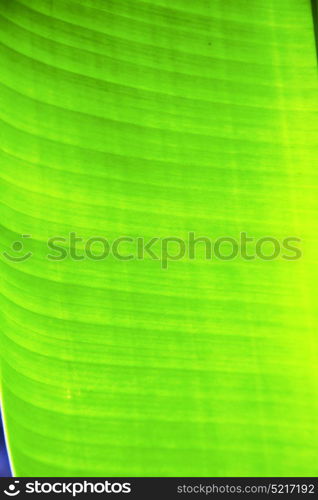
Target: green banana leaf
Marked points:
152	119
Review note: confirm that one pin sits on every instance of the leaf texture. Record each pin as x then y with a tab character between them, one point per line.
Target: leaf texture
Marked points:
153	119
